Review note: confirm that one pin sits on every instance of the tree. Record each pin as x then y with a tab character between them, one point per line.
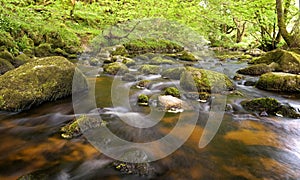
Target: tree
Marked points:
291	38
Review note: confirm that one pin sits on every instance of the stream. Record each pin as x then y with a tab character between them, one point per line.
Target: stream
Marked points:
246	146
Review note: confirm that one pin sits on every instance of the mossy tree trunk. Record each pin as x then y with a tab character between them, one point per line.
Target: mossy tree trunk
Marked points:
291	40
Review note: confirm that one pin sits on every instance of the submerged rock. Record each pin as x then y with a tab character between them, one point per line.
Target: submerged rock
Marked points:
286	61
46	79
257	69
115	68
202	80
271	106
281	82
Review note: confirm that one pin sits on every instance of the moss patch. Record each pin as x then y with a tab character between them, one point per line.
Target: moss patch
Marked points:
149	69
142	46
115	68
284	82
7	55
173	91
159	60
43	50
5	66
257	69
21	59
271	106
287	61
202	80
186	56
143	99
46	79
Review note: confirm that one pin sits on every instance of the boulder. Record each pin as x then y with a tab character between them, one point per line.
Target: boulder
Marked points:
173	91
286	61
202	80
173	73
149	69
280	82
171	103
115	68
5	66
35	82
257	69
266	106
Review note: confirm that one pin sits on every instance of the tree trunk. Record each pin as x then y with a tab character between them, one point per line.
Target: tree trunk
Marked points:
282	26
240	30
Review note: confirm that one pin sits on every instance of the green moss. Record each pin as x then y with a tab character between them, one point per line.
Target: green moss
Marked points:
287	61
21	59
173	73
7	55
143	99
202	80
43	50
128	62
119	50
173	91
149	69
1	101
142	46
271	106
283	82
71	130
5	66
186	56
115	68
60	52
159	60
35	82
257	69
94	62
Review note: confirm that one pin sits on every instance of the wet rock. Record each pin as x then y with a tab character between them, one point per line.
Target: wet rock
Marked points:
173	73
257	69
143	100
170	103
149	69
94	62
115	68
186	56
250	83
141	169
238	77
270	106
287	61
128	61
5	66
280	82
143	84
159	60
119	50
35	82
255	52
202	80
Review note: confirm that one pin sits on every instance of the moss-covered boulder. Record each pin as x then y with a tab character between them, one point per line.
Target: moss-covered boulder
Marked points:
43	50
21	59
270	106
281	82
287	61
143	100
173	73
5	66
119	50
142	46
7	55
257	69
202	80
128	61
35	82
115	68
186	56
149	69
173	91
160	60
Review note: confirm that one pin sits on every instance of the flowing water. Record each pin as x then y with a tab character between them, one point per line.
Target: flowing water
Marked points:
246	145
